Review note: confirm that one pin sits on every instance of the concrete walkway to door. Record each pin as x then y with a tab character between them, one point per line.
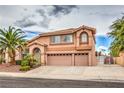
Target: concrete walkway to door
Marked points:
100	72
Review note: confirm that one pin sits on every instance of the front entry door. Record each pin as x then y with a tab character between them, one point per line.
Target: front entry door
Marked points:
37	55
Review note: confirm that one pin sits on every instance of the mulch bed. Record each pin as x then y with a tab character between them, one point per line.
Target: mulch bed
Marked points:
9	68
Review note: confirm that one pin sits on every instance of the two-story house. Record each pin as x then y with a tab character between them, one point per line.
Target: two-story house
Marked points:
68	47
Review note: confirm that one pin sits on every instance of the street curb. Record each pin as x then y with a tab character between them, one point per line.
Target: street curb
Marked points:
34	77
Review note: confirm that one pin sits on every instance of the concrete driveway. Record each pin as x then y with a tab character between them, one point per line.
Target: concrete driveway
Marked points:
100	72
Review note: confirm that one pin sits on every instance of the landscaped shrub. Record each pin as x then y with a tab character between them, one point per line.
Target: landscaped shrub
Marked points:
29	57
33	63
18	62
24	63
28	62
25	68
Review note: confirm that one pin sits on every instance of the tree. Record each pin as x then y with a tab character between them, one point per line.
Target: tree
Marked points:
118	36
12	39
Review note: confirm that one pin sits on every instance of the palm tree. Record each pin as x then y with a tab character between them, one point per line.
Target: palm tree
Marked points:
11	40
118	36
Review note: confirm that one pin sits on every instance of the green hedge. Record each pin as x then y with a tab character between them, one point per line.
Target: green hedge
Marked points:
25	63
25	68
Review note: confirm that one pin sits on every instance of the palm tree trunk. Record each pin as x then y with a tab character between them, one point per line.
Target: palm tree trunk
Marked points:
12	61
12	57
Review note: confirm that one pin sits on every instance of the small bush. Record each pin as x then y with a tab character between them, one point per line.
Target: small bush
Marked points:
33	63
25	68
29	57
24	63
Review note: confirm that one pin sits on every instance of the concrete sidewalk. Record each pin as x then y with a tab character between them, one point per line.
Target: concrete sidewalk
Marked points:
101	73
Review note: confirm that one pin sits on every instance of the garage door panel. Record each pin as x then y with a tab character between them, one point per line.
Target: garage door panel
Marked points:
59	59
81	59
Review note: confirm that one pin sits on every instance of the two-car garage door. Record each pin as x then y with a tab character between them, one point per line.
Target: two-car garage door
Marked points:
79	59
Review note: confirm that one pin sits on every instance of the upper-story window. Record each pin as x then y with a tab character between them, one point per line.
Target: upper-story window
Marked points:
68	38
56	39
84	37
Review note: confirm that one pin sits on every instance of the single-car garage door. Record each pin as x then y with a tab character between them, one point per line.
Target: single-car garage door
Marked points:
59	59
81	59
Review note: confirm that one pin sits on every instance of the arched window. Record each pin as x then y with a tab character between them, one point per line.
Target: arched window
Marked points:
84	37
36	50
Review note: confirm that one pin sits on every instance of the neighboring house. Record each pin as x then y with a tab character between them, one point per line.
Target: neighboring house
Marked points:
69	47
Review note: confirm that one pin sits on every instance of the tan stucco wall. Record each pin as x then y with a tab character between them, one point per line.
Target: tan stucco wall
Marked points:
18	55
95	62
120	60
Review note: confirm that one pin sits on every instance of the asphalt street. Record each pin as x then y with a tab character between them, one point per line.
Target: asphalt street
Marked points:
13	82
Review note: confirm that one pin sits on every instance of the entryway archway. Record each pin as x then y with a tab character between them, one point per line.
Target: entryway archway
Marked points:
37	55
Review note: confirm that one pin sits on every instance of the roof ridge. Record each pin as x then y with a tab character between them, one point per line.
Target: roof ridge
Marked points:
58	31
88	27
